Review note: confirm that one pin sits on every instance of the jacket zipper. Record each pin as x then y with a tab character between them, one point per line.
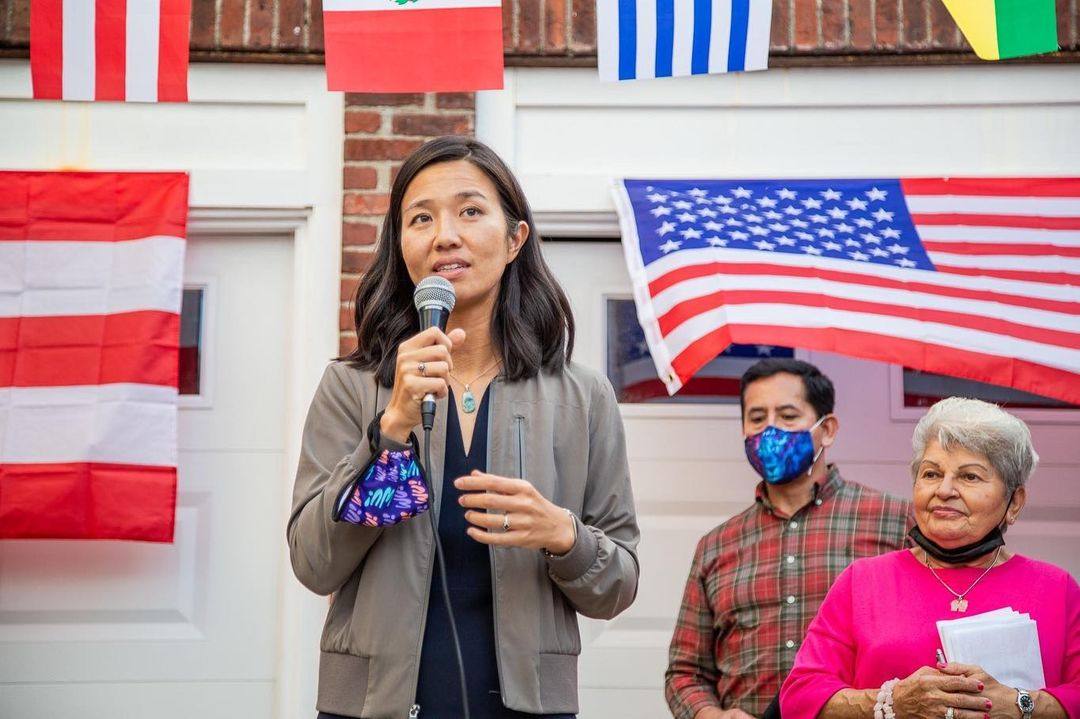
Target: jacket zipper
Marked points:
519	426
414	710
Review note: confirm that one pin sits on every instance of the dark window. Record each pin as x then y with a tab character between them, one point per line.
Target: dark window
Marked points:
190	338
632	372
922	389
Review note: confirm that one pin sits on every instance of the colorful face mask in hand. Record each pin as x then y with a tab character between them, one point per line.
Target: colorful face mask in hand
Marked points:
389	489
779	455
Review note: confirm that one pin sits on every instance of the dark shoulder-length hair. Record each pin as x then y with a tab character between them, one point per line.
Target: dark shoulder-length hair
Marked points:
532	327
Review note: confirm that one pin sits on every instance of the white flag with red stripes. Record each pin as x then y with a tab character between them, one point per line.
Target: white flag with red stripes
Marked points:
133	50
91	268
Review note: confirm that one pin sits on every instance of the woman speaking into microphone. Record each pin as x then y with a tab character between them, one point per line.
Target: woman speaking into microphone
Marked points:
528	479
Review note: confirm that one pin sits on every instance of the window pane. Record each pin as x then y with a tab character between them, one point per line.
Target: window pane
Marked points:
631	370
190	336
922	389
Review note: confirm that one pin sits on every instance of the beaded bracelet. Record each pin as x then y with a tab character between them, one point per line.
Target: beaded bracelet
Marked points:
883	707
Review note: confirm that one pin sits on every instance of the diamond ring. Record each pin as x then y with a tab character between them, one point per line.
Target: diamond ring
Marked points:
422	369
506	528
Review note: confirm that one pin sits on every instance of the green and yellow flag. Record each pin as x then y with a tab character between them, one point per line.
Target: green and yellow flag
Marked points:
999	29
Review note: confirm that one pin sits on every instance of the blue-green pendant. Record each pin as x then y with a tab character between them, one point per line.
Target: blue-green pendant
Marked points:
468	401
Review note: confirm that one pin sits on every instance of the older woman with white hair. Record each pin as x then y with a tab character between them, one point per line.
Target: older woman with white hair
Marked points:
870	652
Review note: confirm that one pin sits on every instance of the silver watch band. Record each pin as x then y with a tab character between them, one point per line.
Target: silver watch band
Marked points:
573	520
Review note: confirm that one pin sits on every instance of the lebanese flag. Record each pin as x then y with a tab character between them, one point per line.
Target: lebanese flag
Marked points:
413	45
134	50
91	268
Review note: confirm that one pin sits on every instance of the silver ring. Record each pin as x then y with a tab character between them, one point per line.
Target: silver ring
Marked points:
950	713
422	369
506	528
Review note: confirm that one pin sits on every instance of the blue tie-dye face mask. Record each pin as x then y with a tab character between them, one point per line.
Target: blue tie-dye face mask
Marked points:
779	455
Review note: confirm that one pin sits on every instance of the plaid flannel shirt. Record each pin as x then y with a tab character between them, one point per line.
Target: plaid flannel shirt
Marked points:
756	582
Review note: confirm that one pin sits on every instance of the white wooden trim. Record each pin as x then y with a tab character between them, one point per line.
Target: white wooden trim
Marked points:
584	224
262	221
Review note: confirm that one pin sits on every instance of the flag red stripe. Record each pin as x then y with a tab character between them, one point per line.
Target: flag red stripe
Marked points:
84	500
46	50
691	308
730	268
110	51
977	220
137	347
695	387
982	248
173	41
1005	371
1053	278
414	50
993	186
92	206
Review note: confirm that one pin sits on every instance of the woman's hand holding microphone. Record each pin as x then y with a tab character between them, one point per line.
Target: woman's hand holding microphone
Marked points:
522	516
423	367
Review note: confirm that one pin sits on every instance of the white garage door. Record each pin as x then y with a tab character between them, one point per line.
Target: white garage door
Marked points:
189	629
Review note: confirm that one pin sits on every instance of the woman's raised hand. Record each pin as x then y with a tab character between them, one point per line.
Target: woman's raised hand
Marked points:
929	694
423	367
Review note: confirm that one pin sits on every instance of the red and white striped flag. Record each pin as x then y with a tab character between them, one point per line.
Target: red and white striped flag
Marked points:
970	277
91	268
413	45
134	50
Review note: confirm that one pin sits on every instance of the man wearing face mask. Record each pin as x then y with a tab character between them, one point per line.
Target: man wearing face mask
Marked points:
757	579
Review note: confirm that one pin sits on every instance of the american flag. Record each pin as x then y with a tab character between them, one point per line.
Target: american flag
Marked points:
968	277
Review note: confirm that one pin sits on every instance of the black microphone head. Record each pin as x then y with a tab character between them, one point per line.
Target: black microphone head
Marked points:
434	291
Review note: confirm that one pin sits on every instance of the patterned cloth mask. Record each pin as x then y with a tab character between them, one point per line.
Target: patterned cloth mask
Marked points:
779	455
390	489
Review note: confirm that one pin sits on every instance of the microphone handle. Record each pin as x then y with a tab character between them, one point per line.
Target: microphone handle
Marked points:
427	411
431	316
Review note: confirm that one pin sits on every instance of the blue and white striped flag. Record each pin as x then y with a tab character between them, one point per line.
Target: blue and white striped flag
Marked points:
665	38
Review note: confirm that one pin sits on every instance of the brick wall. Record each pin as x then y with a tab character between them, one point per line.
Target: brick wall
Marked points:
538	31
380	131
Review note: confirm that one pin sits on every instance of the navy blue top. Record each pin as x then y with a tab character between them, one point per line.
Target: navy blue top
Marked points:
468	568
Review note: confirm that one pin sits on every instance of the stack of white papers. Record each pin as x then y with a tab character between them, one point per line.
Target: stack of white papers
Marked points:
1004	642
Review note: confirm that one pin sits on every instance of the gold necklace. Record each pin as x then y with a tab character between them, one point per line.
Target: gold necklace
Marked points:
960	604
468	400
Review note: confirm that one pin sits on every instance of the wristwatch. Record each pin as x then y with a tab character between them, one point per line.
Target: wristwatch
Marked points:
1025	702
573	524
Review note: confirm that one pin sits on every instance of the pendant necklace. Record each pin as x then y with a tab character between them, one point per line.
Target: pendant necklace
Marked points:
960	604
468	400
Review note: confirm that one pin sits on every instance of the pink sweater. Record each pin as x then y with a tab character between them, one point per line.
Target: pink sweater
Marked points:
878	622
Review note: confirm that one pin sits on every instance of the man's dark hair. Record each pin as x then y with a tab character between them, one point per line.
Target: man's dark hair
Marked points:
818	388
532	326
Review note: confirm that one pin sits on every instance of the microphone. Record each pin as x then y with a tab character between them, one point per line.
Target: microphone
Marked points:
433	298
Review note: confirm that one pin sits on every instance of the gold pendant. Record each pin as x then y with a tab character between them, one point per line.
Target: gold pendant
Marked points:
959	604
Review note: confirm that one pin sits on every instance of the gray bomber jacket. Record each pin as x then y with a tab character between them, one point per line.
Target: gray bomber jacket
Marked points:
563	433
